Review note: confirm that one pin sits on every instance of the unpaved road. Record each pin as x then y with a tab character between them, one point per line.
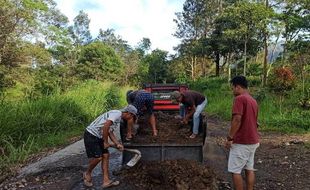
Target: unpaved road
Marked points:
282	162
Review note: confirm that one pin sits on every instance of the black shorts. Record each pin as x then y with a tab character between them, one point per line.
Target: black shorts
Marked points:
94	146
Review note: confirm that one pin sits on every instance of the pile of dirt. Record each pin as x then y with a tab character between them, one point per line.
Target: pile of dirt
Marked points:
170	174
170	130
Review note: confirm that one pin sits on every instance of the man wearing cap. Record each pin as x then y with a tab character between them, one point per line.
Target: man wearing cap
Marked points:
144	102
193	100
96	142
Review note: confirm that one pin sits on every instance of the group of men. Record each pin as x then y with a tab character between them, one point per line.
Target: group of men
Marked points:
242	139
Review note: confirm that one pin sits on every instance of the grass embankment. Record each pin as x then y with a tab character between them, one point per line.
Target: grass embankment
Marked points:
285	117
28	126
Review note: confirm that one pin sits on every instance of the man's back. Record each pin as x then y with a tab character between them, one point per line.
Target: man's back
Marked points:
192	98
246	106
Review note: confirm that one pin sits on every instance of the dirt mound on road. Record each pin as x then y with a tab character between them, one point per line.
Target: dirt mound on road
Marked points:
170	174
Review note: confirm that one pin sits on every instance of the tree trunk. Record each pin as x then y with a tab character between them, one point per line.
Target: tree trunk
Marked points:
192	67
217	62
229	72
265	53
203	66
244	64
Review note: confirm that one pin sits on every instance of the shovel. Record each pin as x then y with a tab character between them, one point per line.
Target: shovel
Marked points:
134	160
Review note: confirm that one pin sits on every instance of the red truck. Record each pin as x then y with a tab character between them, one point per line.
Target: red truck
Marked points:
161	94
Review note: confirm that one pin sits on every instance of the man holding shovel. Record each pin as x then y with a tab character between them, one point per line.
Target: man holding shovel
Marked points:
96	142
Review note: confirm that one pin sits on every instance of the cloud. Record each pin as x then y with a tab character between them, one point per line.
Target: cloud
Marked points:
131	19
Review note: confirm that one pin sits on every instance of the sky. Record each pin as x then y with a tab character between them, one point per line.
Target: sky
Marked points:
131	19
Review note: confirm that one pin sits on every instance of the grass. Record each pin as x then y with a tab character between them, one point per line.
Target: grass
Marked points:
28	126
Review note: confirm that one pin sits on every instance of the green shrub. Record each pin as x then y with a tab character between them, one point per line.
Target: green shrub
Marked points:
112	98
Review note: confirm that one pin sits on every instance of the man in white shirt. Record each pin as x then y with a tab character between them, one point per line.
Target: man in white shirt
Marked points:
96	142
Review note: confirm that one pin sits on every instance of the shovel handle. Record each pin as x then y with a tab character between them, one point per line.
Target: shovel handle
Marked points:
129	150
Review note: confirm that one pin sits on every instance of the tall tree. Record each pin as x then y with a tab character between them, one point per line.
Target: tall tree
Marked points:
19	20
144	46
80	30
197	22
158	66
296	18
246	21
99	61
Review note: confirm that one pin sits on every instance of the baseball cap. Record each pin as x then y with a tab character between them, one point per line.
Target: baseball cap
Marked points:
131	109
175	95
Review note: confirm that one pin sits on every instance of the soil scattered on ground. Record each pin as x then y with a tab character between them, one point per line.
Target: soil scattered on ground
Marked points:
170	174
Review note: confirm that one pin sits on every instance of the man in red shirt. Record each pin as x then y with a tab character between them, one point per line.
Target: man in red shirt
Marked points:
243	138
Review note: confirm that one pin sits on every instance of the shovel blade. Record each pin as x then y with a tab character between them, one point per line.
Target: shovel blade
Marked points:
134	160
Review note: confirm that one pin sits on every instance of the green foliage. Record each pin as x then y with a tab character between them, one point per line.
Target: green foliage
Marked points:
157	66
48	80
80	30
99	61
5	79
304	101
16	153
112	98
52	120
22	20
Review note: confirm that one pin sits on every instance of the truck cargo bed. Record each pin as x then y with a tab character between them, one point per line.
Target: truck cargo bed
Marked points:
171	143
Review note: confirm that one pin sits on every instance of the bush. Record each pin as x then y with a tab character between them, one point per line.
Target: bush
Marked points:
282	80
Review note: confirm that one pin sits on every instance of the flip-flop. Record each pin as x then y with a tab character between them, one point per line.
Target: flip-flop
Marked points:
193	136
155	133
87	182
111	184
128	139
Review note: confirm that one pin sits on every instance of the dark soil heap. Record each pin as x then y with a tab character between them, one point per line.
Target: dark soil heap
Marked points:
169	129
170	174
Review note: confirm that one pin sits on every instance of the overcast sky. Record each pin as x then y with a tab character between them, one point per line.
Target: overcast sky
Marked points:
131	19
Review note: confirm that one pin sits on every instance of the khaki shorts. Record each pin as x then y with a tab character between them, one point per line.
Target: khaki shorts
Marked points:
241	156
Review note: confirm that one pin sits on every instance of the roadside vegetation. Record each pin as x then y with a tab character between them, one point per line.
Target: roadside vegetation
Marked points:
30	125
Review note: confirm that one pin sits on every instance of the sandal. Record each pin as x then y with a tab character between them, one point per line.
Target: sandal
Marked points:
87	183
128	139
193	136
155	133
111	184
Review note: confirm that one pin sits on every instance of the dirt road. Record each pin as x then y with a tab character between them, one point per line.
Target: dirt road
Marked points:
282	162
